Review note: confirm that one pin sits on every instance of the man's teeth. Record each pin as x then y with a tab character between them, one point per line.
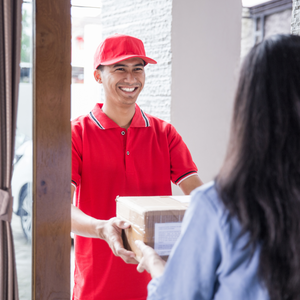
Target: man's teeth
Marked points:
127	89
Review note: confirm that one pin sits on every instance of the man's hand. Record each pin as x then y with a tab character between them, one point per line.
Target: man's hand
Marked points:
151	261
111	232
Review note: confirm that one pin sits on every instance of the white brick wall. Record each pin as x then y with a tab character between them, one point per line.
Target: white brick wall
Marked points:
279	23
247	40
149	21
295	26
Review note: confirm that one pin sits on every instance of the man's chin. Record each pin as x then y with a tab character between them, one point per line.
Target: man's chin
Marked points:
129	99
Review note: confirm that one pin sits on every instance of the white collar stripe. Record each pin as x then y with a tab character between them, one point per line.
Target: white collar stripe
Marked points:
146	119
95	120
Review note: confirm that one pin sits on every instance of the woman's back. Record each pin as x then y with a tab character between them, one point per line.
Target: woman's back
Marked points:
210	260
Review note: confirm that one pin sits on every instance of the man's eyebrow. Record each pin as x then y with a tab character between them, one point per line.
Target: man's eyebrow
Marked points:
139	65
120	65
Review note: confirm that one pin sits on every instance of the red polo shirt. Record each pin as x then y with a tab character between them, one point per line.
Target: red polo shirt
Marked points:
108	161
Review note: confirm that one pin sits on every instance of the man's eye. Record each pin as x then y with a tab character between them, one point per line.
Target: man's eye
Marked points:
120	69
138	69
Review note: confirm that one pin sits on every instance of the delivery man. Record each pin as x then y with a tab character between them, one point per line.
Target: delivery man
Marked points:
117	149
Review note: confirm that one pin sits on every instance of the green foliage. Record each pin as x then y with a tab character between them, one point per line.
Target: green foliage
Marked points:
25	44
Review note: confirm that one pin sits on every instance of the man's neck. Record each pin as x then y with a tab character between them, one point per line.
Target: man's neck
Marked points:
120	115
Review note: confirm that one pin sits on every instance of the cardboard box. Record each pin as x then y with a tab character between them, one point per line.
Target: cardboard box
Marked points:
154	220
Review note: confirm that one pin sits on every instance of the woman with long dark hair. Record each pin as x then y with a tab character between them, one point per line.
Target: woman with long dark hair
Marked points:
240	236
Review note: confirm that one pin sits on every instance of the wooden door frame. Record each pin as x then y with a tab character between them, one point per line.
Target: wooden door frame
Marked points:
51	150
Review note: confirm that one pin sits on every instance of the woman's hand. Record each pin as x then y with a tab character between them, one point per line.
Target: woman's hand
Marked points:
151	261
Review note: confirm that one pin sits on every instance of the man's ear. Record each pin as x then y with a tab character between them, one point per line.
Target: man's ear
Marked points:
97	76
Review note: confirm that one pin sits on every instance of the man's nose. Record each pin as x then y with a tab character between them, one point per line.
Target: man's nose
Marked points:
130	78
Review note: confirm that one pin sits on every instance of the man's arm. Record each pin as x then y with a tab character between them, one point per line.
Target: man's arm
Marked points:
110	230
190	183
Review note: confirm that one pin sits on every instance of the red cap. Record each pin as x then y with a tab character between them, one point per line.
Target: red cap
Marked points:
119	47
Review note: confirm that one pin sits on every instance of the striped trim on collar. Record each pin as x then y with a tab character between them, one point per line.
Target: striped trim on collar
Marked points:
91	115
147	123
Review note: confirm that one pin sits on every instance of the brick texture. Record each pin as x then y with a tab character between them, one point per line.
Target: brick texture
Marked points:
295	23
247	40
149	21
279	23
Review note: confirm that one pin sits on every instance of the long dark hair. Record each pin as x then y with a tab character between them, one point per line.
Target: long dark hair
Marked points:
260	179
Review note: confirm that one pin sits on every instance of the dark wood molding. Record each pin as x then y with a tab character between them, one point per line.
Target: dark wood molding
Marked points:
52	150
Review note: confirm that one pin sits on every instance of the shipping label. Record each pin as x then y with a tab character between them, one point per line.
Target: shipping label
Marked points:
165	236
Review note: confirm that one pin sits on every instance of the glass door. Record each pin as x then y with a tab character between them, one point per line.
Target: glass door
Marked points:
22	173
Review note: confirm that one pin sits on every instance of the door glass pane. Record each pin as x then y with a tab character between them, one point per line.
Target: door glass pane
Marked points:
22	174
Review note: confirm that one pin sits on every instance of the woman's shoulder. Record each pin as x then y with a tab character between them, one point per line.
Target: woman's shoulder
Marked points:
207	196
205	200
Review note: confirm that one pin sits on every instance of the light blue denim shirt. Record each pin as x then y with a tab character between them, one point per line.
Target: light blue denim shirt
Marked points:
209	260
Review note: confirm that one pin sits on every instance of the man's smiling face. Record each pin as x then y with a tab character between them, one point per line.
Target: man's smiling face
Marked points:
123	81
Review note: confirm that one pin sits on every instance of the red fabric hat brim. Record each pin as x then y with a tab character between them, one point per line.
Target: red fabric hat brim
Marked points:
147	60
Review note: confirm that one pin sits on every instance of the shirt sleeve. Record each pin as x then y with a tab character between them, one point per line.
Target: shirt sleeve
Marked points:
190	272
182	165
76	152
